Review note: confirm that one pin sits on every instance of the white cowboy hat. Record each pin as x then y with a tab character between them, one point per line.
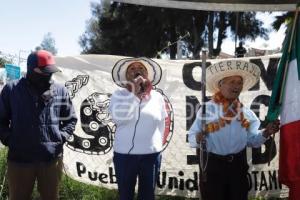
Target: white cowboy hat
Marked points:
250	73
120	68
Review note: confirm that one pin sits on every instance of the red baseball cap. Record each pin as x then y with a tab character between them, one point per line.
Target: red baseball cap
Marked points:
42	59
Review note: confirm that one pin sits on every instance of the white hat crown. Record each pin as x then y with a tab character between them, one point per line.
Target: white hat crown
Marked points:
250	73
120	68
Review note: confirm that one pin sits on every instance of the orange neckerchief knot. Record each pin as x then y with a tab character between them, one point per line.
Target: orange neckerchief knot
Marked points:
230	110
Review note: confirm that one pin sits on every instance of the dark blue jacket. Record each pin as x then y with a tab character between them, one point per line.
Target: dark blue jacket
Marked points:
34	127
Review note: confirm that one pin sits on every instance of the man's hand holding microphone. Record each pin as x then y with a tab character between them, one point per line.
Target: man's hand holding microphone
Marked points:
142	86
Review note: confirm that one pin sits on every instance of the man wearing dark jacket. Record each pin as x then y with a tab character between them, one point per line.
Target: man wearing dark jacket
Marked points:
36	118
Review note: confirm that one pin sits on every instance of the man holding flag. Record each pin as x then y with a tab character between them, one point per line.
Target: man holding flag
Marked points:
285	101
230	127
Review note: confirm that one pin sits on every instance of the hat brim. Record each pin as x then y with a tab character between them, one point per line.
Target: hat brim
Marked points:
49	69
249	72
120	68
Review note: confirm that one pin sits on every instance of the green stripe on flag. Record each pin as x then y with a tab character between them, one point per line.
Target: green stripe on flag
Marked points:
279	82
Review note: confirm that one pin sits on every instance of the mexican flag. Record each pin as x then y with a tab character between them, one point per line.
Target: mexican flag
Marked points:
285	101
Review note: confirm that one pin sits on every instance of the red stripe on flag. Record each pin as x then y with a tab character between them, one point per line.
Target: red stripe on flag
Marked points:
289	157
294	193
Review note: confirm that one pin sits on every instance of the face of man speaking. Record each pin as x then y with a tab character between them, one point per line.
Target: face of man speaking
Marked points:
231	87
134	70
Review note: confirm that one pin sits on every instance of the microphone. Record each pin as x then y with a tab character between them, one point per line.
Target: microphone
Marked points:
141	84
142	88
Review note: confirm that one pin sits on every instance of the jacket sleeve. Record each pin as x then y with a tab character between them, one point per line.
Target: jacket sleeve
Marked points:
254	137
194	130
212	114
123	108
5	115
68	117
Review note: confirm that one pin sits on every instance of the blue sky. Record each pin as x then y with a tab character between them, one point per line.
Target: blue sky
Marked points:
25	22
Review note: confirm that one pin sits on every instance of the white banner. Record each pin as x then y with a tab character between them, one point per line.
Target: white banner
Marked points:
88	154
220	5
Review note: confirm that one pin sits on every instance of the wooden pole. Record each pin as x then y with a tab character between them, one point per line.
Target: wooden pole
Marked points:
203	149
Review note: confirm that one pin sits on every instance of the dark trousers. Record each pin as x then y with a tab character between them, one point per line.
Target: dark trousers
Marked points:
128	168
21	179
226	178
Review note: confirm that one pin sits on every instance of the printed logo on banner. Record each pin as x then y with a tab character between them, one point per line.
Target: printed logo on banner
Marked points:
96	121
76	83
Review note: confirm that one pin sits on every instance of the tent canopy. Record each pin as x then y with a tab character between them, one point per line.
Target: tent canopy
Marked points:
220	5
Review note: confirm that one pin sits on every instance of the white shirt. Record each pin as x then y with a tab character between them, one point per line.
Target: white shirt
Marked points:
140	124
230	139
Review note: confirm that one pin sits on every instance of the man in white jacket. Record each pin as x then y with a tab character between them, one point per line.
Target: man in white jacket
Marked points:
139	114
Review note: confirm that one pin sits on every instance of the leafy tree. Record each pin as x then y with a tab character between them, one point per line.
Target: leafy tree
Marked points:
4	60
134	30
131	30
283	19
122	29
220	22
38	48
48	44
